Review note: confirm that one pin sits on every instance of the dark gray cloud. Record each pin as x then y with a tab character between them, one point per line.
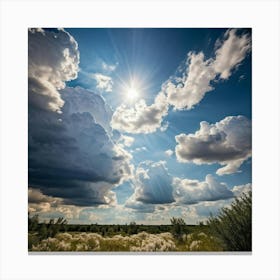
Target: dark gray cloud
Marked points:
71	155
71	152
53	59
153	184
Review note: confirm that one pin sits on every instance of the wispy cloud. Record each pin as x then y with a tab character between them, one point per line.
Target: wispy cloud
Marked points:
109	67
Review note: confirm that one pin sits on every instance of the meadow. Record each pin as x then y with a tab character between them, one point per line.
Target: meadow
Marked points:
230	230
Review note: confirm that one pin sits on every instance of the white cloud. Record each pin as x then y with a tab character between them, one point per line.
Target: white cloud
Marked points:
152	183
53	59
140	149
126	140
227	142
192	88
193	191
164	126
187	91
169	153
142	118
109	67
104	83
239	190
231	53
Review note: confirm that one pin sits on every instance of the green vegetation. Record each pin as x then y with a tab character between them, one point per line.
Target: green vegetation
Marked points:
231	230
233	226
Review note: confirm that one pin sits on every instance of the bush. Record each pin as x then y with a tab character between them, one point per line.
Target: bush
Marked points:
234	225
178	228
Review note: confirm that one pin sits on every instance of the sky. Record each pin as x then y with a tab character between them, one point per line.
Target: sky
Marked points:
139	125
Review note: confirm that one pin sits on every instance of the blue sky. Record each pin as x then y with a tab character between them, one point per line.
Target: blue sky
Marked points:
138	124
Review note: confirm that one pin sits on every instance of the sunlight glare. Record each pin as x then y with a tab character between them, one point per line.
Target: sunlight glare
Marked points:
132	93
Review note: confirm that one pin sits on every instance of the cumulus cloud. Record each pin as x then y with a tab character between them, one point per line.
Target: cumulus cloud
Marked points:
192	87
227	142
184	92
72	156
80	100
239	190
152	183
187	91
104	83
39	202
53	59
193	191
141	118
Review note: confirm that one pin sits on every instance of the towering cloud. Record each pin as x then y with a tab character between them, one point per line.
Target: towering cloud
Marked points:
71	153
53	59
152	187
227	142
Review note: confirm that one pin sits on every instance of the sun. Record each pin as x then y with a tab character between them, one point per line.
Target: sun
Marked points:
132	93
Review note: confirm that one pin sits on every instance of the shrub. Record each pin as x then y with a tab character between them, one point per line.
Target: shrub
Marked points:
178	227
234	225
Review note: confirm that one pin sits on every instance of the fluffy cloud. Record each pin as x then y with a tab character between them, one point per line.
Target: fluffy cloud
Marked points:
104	82
80	100
227	142
72	156
141	118
187	91
153	183
193	191
191	88
231	53
39	202
239	190
53	59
